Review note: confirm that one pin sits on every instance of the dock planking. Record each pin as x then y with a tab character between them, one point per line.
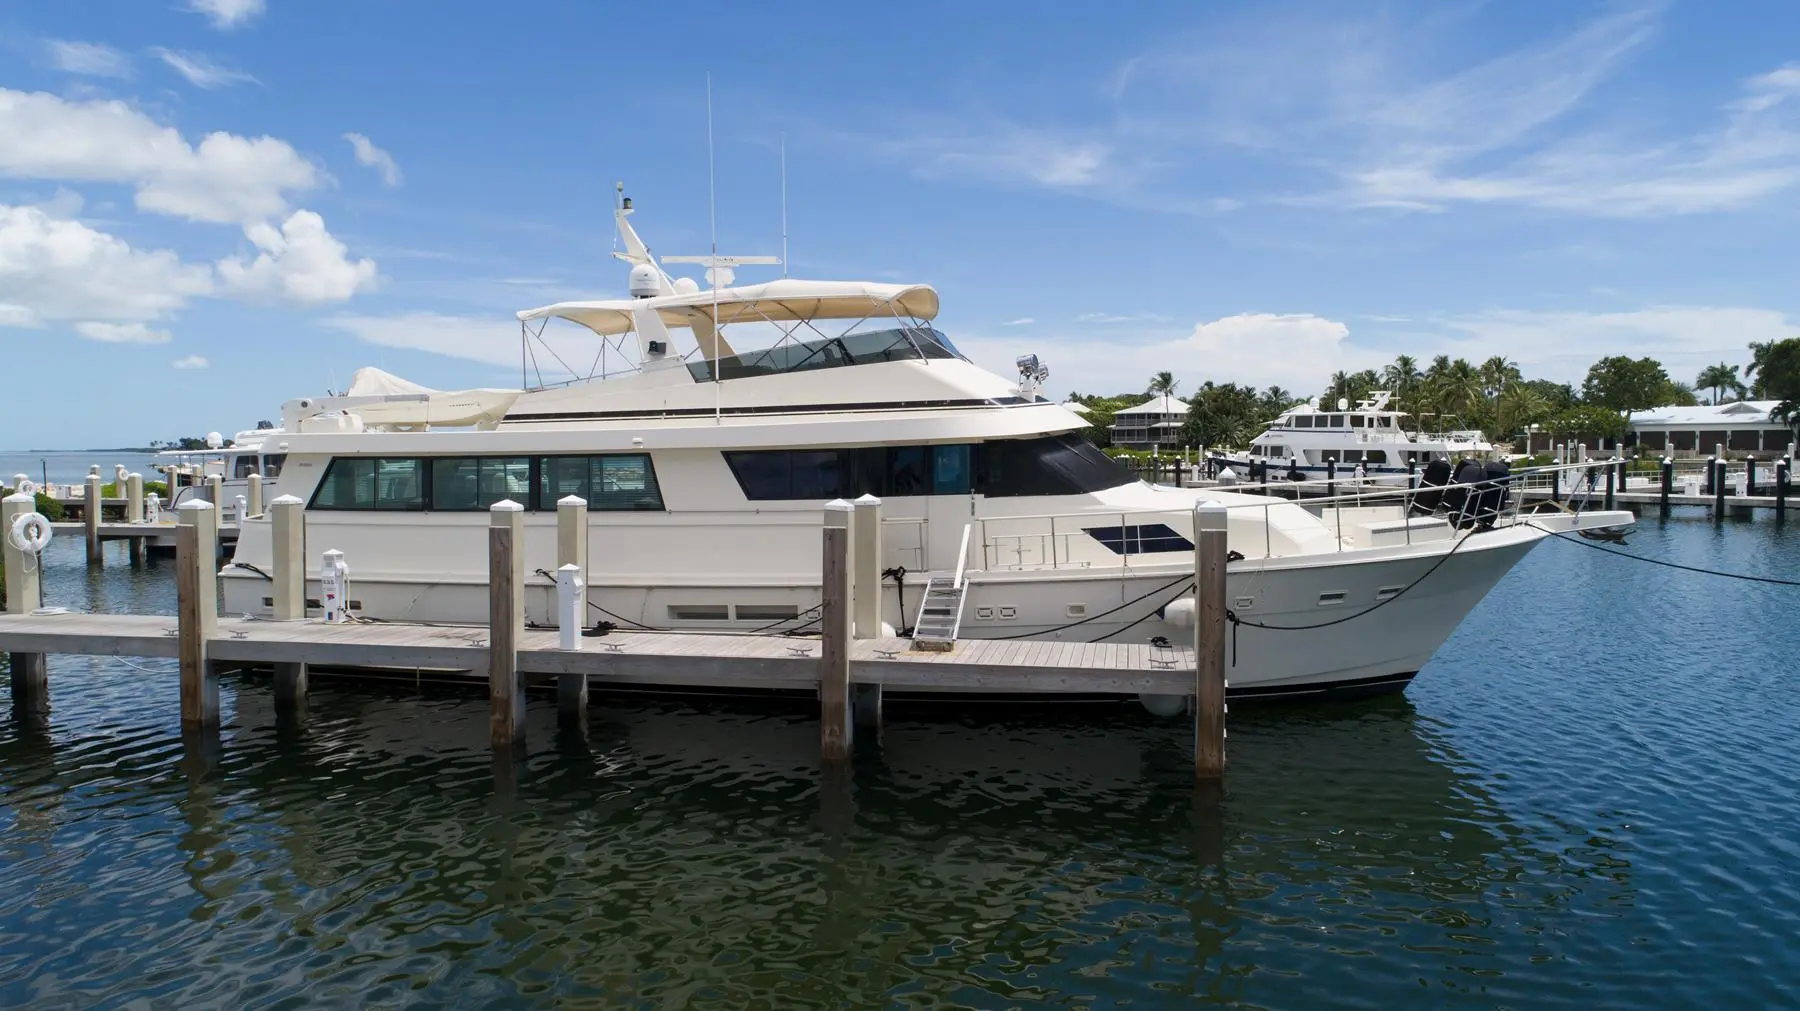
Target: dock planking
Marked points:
628	658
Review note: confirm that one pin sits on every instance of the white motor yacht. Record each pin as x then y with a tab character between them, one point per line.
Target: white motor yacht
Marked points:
1370	436
705	466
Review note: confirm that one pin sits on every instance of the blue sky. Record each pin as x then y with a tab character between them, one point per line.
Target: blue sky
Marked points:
210	206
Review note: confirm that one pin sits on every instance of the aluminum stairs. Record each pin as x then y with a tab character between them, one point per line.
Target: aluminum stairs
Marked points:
940	614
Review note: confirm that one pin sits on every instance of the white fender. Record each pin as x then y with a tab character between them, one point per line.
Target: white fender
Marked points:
1180	612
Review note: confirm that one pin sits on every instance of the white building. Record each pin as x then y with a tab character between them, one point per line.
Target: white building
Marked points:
1742	428
1155	423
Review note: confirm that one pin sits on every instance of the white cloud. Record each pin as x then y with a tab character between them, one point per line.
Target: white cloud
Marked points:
1021	321
1561	345
89	58
190	362
226	14
225	178
200	71
60	270
301	262
494	341
368	154
121	333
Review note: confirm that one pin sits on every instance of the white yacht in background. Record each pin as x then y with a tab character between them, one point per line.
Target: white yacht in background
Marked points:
1308	439
232	461
705	465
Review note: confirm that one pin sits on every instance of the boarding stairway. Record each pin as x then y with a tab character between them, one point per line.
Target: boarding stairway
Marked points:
940	612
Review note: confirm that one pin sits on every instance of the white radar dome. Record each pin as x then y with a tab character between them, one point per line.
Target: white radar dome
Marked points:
646	281
214	440
686	286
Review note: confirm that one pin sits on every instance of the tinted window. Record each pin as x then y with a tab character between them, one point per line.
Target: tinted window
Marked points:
1376	456
371	484
623	482
898	344
243	467
1356	421
950	470
271	464
813	473
1055	465
562	476
909	471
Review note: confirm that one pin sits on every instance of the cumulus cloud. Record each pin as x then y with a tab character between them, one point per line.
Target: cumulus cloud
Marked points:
201	71
368	154
300	261
190	362
54	270
227	14
225	178
121	333
89	58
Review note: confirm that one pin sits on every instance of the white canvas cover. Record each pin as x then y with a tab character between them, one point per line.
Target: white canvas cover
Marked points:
373	382
785	300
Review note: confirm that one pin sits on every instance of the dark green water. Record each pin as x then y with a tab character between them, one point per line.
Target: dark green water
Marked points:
1588	799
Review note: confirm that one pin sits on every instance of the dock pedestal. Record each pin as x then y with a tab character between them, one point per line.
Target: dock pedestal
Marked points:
1209	641
197	611
835	726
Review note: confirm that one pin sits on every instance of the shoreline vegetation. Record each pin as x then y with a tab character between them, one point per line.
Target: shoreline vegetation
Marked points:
1493	396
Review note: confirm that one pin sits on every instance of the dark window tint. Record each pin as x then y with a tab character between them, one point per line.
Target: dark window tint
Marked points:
1144	539
1376	456
899	344
562	476
1056	465
271	464
813	474
625	482
371	484
243	466
909	470
399	484
950	470
1356	421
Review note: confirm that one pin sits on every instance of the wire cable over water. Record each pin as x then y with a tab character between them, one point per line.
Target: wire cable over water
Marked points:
1669	565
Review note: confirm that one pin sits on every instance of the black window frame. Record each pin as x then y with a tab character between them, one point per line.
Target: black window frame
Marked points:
534	497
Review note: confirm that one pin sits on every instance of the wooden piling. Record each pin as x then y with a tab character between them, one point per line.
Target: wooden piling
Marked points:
572	549
1749	475
865	598
1609	487
1783	475
90	515
197	611
1718	484
1668	483
24	594
215	491
287	535
835	725
506	621
1331	478
1209	640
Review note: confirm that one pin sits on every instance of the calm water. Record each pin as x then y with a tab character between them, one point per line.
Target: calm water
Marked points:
71	466
1587	800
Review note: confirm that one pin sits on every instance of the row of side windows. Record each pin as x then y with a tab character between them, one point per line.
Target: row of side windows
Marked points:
619	482
1054	465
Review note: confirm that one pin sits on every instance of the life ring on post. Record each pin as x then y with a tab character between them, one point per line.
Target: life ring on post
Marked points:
30	533
26	487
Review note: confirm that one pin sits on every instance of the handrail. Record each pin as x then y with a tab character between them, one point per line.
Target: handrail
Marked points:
962	556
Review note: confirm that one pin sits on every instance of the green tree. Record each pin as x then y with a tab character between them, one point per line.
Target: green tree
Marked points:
1625	384
1163	383
1222	415
1778	376
1719	378
1274	400
1403	378
1589	420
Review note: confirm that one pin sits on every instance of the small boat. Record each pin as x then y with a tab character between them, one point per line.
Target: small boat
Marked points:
1307	440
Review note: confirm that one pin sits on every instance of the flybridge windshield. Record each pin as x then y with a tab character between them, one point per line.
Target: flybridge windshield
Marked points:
898	344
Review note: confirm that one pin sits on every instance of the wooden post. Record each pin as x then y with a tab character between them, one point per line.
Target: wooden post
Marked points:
254	497
90	515
287	537
1711	469
1783	475
215	491
865	579
835	727
1668	482
24	594
1209	640
1749	476
1718	484
1331	478
134	498
506	621
572	549
197	610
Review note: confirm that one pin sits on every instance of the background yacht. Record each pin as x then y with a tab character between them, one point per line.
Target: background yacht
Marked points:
1306	438
705	472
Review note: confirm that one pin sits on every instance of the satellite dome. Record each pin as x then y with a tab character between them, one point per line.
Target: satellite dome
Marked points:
686	286
646	281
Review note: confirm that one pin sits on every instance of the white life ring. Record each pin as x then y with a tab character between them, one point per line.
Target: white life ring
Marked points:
26	487
30	533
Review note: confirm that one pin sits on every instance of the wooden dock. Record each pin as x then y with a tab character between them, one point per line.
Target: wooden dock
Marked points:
848	664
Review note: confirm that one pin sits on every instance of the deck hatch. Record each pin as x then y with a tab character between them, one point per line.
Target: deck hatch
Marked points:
1140	539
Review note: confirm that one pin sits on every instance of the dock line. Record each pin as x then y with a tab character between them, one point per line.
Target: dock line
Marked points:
1671	565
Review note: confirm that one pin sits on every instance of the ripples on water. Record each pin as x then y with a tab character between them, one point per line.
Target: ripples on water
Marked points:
1586	799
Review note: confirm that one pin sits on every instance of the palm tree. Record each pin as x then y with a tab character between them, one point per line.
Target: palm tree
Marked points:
1717	378
1402	378
1163	384
1497	374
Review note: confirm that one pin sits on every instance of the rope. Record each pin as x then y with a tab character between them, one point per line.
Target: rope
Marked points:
1232	616
1668	565
1148	614
252	568
1097	617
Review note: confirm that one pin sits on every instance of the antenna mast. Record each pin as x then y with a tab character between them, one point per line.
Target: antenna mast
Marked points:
784	234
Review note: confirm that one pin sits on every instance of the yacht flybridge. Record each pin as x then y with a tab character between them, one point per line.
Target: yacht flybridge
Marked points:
705	465
1371	436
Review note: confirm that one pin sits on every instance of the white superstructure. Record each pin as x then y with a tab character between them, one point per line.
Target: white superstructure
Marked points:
705	467
1308	438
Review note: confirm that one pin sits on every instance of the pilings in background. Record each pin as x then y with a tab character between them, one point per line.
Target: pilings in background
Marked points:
90	515
1209	640
197	611
506	622
24	594
1610	474
1718	487
572	549
1668	483
254	502
1784	470
865	598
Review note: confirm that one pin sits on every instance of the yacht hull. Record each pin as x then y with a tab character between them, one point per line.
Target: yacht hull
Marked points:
1304	624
